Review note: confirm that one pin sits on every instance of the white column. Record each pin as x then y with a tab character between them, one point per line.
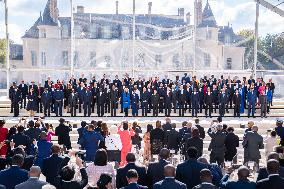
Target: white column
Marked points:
133	39
7	47
72	41
255	40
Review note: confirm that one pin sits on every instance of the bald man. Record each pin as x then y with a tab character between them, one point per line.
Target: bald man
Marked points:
274	181
242	182
169	182
33	182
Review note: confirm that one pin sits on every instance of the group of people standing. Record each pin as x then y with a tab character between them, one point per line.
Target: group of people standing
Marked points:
156	96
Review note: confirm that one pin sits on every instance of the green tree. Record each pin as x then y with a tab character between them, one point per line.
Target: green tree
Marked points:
2	51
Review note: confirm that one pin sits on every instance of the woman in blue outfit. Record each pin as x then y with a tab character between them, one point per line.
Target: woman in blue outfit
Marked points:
268	94
242	94
126	101
32	103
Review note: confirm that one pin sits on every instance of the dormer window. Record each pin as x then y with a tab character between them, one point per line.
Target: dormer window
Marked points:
42	33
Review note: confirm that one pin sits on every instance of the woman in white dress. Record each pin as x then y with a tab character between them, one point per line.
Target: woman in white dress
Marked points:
271	142
99	166
113	144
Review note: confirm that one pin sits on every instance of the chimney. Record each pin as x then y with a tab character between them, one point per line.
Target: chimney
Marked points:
80	9
149	8
181	12
188	15
116	5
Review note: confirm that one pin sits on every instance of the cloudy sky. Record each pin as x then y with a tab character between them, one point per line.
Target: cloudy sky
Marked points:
239	13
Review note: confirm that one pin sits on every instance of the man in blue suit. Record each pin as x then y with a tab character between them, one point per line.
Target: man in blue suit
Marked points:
43	149
87	102
53	164
58	98
242	182
188	172
132	179
90	141
169	182
135	103
14	175
251	102
46	100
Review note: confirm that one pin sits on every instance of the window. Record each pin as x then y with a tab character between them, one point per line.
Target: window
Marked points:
207	59
65	58
76	58
229	63
142	32
157	34
93	62
42	33
227	39
125	32
141	60
33	58
107	32
209	34
93	31
158	60
43	59
77	31
64	32
176	60
107	61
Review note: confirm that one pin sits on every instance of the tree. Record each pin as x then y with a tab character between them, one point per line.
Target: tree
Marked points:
2	51
247	36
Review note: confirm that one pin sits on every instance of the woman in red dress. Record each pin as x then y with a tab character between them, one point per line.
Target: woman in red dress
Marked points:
3	137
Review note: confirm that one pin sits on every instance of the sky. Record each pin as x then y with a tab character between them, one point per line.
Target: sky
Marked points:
238	13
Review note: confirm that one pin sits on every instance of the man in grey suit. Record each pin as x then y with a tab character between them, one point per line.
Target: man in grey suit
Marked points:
206	178
252	143
33	181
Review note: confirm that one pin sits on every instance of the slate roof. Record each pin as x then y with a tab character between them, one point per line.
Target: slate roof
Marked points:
208	19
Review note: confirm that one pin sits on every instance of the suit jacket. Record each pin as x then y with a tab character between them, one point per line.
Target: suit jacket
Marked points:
272	182
51	167
134	186
62	131
243	184
173	139
263	174
121	172
13	176
197	143
155	172
167	126
205	186
74	184
169	183
189	172
217	144
252	142
31	183
201	131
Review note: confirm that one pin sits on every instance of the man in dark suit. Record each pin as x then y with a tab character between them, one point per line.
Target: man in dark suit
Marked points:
200	128
53	164
237	103
251	99
46	100
168	102
195	103
222	102
62	131
21	139
87	102
65	181
188	172
73	101
274	181
182	100
231	144
132	179
144	99
173	139
263	174
206	178
121	180
169	182
114	97
208	100
155	103
155	169
100	103
14	175
243	182
167	126
24	91
16	99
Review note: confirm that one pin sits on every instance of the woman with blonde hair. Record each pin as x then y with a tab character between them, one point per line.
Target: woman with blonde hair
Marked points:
113	144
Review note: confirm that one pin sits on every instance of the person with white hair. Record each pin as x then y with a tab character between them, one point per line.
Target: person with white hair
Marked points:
48	186
113	144
33	181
